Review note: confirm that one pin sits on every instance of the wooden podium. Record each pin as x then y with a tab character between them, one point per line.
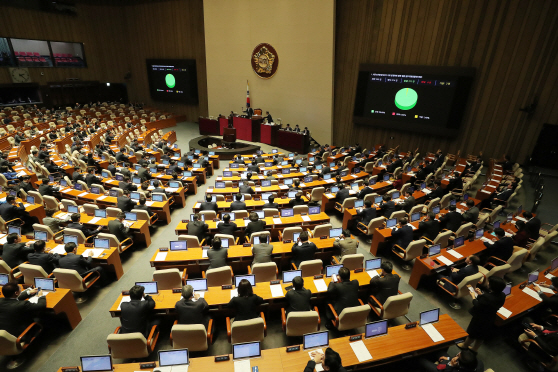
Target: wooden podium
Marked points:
229	134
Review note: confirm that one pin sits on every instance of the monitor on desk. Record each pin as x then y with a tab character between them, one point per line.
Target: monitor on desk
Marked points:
298	161
131	216
73	209
391	222
96	363
150	287
102	243
198	165
46	284
247	350
507	289
359	203
266	195
136	180
429	316
332	270
319	167
315	340
311	159
496	224
268	164
386	177
479	233
285	162
4	279
453	202
296	236
554	264
261	214
101	213
327	176
436	209
396	195
263	239
286	171
119	177
335	233
14	230
41	235
415	216
219	185
178	245
458	242
307	179
30	199
234	165
372	264
334	189
377	199
288	276
174	185
533	276
137	167
63	183
51	179
105	174
288	181
266	183
250	277
70	239
287	212
187	174
95	190
199	285
113	193
291	194
423	186
374	329
165	162
434	250
314	210
211	153
344	173
224	243
135	195
173	357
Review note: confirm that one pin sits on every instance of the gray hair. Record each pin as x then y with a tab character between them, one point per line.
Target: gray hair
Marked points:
187	291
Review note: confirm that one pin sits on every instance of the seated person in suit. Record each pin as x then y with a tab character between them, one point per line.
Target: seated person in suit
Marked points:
53	223
45	189
472	213
77	262
295	186
255	225
124	202
342	294
26	184
238	159
226	227
16	314
246	304
144	207
271	203
244	188
238	204
367	213
296	129
533	225
365	191
192	308
438	191
402	235
118	229
262	251
298	298
137	314
549	301
269	176
385	285
409	201
158	189
521	236
398	183
288	128
197	228
342	194
47	261
297	200
430	227
546	339
346	243
451	220
128	185
53	168
253	167
465	361
387	206
305	131
501	250
143	173
75	224
457	275
208	205
500	198
112	167
217	255
121	156
14	252
303	250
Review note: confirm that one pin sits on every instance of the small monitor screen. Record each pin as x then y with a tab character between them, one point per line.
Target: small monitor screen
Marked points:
261	214
150	287
250	278
14	230
458	242
284	162
198	165
314	210
391	222
96	363
173	357
395	195
105	174
327	176
286	171
78	187
434	250
332	269
41	235
174	185
101	243
496	224
311	159
179	245
298	161
288	181
266	183
319	167
296	236
4	279
113	193
430	316
422	185
554	264
315	340
334	233
46	284
157	197
307	178
73	209
373	264
95	190
165	162
334	189
289	212
479	233
119	177
247	350
198	284
288	276
131	216
436	209
377	199
70	239
63	183
291	194
219	185
135	195
359	203
136	180
415	217
102	213
224	243
378	328
533	276
188	174
507	289
30	199
386	177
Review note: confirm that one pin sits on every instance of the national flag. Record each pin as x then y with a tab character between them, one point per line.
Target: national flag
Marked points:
247	94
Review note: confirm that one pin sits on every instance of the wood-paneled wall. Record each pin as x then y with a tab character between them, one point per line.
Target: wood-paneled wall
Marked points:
512	44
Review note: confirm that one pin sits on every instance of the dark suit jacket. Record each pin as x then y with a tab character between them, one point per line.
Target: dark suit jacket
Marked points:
208	206
408	203
144	174
9	212
255	226
451	221
504	195
45	260
533	227
367	214
91	178
502	249
387	208
120	157
365	191
238	206
342	195
429	229
47	190
227	228
15	254
245	189
262	253
397	163
343	294
197	228
144	208
304	252
135	315
271	205
402	236
75	262
118	229
192	312
384	287
298	300
246	307
472	215
112	169
217	257
125	203
76	225
438	193
16	314
464	272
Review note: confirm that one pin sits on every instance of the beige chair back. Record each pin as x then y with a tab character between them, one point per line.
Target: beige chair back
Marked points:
265	272
228	237
288	232
299	209
208	215
300	323
247	330
353	317
311	268
516	259
496	271
348	203
417	208
398	214
5	269
8	344
240	214
76	232
192	241
316	194
30	272
189	336
434	202
113	240
472	280
397	305
535	248
266	235
128	345
113	212
548	238
142	216
39	227
353	261
270	212
38	197
370	197
443	238
414	249
445	201
463	230
89	208
219	276
322	230
167	278
69	279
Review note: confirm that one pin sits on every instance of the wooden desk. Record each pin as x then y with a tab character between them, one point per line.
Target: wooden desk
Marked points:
293	141
247	129
251	205
208	126
268	134
328	199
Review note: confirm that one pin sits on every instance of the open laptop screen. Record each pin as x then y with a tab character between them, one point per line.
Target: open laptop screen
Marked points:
174	357
430	316
96	363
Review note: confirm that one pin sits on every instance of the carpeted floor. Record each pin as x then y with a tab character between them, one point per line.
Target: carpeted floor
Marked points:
59	346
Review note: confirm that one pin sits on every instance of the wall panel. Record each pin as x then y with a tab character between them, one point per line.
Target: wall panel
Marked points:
512	44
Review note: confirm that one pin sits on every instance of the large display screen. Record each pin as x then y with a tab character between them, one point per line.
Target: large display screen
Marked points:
68	54
173	80
31	53
424	99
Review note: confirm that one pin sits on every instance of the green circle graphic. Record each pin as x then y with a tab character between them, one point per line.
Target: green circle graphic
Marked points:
406	99
170	81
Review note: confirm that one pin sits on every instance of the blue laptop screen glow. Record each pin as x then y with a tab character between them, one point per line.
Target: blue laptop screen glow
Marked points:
102	213
250	278
179	245
429	316
376	329
372	264
314	340
102	243
334	233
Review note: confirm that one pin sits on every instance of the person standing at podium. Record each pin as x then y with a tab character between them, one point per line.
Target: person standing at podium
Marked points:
249	112
268	117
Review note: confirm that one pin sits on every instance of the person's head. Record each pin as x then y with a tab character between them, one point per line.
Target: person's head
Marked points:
344	274
121	216
346	233
470	203
431	216
438	183
196	217
386	197
187	292
70	247
50	212
122	150
10	290
156	183
142	200
520	225
472	260
145	186
238	197
136	292
368	204
403	221
298	282
39	246
408	192
227	218
298	196
387	267
126	192
296	182
496	284
338	178
271	199
452	208
216	243
303	236
468	359
91	170
208	198
253	216
341	186
10	199
245	288
500	233
528	215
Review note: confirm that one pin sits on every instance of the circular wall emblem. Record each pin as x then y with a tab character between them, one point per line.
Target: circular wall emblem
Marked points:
170	81
265	60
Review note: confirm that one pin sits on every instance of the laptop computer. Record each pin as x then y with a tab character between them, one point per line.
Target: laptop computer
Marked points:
332	270
178	245
434	250
150	287
174	357
375	329
288	276
70	239
101	243
96	363
199	285
372	264
46	284
334	233
429	316
247	350
250	277
315	340
101	213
